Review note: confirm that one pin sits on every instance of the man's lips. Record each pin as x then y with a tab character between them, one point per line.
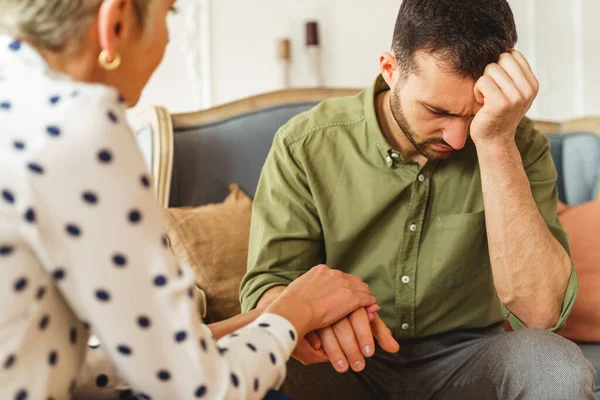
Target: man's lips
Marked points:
441	148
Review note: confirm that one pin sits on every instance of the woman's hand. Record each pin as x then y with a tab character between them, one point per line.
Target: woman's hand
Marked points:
321	297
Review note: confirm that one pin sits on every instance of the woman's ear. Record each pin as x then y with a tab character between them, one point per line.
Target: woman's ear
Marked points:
114	16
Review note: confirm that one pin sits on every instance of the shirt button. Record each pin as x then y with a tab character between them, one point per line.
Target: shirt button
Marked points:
405	326
413	228
395	155
405	279
388	159
421	178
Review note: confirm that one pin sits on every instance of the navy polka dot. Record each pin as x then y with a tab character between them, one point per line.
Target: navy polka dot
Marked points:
21	395
53	358
30	216
251	346
191	293
164	375
180	336
6	250
15	46
35	168
144	322
101	380
125	350
113	117
40	293
145	181
119	260
135	216
73	230
19	145
201	391
233	335
10	361
264	325
102	295
222	350
86	325
105	156
59	274
160	280
5	105
53	131
44	322
21	284
144	396
179	272
273	359
54	99
292	335
203	345
234	380
165	241
256	384
8	197
126	395
90	198
73	336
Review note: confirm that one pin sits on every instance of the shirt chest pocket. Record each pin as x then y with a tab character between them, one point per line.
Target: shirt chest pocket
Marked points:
460	251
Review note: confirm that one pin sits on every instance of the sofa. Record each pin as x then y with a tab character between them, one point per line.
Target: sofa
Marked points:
194	157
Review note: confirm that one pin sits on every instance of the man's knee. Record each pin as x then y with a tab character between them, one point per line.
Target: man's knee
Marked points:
541	362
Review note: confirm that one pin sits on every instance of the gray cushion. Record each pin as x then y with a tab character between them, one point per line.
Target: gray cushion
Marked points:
209	157
591	351
577	159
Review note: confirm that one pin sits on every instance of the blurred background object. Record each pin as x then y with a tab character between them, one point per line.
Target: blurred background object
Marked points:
223	50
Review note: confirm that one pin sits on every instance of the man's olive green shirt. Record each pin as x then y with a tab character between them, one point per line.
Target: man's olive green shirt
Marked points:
333	191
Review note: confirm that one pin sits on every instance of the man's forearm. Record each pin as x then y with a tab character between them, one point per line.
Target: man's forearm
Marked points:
531	269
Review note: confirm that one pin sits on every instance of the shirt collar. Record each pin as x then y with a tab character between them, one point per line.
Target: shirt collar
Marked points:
13	50
389	156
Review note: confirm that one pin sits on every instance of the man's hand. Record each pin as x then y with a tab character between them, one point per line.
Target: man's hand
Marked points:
506	90
347	342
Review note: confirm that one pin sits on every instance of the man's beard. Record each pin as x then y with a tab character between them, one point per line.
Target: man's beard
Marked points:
421	146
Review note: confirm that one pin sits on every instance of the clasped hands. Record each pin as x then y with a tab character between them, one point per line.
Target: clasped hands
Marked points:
347	342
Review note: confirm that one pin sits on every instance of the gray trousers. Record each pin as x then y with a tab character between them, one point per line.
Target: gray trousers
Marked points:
481	364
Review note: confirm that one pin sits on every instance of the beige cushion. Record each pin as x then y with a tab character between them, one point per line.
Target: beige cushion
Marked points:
583	225
213	240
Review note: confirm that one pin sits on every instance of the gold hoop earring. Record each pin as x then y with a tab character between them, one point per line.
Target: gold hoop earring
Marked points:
109	65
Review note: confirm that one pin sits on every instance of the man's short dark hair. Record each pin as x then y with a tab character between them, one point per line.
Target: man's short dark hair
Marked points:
466	35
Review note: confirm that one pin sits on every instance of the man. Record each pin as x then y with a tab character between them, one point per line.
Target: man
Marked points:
436	190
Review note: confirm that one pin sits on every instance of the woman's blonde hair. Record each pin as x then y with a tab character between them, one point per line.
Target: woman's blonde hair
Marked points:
54	24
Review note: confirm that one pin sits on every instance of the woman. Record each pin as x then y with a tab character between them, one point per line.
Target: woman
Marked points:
81	236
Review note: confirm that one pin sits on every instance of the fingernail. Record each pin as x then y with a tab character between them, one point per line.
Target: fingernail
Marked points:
341	365
368	350
358	366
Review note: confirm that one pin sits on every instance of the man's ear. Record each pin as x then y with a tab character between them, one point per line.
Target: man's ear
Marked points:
388	66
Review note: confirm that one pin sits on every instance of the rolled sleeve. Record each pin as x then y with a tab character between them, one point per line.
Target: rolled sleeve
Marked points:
541	171
286	238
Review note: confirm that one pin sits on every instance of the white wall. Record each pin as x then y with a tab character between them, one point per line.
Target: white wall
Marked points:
560	38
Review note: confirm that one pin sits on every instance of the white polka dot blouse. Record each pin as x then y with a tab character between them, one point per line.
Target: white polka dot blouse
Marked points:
82	251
